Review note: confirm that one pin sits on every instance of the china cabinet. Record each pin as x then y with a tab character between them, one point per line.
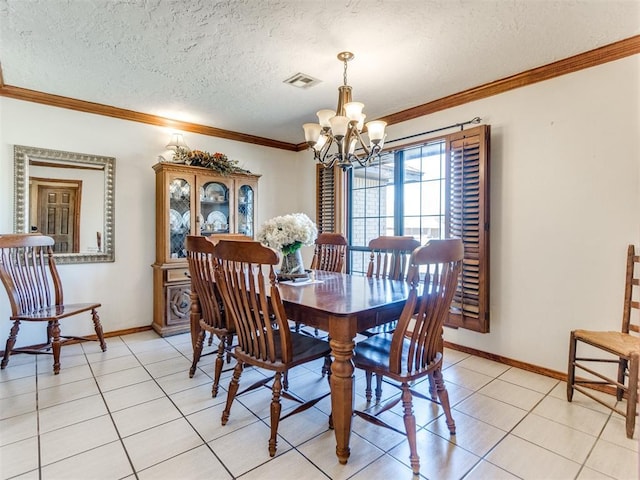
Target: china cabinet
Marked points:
192	201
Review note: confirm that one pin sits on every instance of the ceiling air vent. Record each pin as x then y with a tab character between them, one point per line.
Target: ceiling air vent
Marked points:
302	80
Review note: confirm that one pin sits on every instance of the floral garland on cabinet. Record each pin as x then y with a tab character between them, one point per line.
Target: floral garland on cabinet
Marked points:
218	162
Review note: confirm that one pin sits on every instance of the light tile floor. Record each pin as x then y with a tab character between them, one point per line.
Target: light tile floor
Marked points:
133	412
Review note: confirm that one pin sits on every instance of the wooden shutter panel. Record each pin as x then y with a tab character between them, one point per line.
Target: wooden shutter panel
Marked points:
468	218
327	217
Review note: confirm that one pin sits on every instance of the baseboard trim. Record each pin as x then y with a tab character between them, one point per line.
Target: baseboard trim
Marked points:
547	372
116	333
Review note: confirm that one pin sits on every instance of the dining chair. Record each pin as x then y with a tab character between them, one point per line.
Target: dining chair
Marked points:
215	238
329	252
30	277
207	305
247	281
621	348
389	258
413	350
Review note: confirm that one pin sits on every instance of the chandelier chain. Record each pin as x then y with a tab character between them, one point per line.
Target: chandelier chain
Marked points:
345	72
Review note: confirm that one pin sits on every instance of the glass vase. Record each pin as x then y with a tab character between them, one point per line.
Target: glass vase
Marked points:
292	264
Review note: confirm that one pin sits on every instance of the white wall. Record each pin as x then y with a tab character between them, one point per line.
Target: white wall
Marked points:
124	287
565	202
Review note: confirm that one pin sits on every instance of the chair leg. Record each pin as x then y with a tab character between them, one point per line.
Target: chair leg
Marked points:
218	367
197	352
571	370
632	399
49	334
623	364
56	344
233	389
410	428
276	408
327	366
11	341
443	396
228	344
432	388
98	328
367	391
378	387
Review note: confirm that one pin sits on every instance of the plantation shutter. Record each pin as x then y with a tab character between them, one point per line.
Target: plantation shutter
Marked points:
468	218
327	201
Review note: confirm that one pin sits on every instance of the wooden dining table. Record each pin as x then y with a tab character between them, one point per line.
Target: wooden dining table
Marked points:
343	305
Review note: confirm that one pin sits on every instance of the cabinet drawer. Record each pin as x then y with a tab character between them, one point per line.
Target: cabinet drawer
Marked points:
178	275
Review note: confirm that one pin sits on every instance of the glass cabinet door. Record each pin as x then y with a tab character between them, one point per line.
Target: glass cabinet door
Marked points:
179	216
214	208
245	210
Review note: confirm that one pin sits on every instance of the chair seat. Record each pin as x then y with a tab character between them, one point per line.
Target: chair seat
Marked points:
56	311
618	343
373	354
305	348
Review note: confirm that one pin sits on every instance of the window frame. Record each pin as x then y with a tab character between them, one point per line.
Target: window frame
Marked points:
471	304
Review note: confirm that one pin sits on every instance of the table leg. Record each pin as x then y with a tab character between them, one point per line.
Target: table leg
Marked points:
342	344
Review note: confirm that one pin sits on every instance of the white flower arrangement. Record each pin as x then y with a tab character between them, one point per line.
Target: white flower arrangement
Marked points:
288	233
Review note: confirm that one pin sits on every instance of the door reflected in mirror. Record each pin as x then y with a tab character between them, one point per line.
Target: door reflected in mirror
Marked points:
69	197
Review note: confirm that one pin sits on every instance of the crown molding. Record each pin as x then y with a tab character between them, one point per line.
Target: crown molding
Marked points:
108	111
592	58
608	53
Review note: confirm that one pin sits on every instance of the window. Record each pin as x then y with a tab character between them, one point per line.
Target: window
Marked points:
401	194
437	189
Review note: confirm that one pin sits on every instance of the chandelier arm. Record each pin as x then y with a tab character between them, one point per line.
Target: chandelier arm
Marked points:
322	153
362	144
362	163
370	154
331	162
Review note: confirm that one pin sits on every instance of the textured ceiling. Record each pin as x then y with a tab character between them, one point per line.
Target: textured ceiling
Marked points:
223	63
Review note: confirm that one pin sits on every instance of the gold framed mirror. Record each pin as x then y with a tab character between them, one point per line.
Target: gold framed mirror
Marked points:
68	196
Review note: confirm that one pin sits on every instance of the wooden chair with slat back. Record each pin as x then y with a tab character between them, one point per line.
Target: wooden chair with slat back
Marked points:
215	238
390	256
622	348
207	303
413	350
329	252
30	277
247	281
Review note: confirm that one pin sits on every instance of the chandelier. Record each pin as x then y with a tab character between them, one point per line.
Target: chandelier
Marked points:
343	127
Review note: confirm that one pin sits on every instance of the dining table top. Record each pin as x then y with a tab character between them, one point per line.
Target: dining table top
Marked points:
342	294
